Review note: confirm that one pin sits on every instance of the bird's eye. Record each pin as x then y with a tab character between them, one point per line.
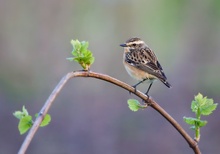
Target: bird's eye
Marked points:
134	44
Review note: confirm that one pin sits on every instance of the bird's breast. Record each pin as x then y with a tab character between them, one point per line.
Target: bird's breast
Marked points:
137	73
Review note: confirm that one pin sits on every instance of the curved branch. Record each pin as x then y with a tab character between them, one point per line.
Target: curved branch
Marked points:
193	144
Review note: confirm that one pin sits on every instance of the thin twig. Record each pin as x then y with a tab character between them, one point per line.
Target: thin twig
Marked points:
43	112
193	144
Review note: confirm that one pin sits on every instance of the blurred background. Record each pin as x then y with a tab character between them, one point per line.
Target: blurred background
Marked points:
89	115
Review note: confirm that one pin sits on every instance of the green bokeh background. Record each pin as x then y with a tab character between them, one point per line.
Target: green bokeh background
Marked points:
91	116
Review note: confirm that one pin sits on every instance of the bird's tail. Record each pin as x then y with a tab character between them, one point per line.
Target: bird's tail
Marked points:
162	77
166	83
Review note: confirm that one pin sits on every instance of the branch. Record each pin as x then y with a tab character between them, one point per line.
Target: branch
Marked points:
193	144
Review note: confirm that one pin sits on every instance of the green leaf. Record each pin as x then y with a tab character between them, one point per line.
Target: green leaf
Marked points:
200	100
196	103
199	97
202	123
81	54
75	53
25	111
25	124
195	122
84	45
21	114
189	120
134	105
76	45
46	120
18	114
203	105
194	106
208	107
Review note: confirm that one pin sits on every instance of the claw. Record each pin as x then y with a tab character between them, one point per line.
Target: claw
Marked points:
134	90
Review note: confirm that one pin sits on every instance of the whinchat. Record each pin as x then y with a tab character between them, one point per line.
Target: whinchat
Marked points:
141	63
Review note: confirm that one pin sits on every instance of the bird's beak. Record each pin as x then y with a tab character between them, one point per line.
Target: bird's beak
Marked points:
123	45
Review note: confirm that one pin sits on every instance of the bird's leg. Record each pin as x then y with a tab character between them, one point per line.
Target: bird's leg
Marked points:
148	89
134	86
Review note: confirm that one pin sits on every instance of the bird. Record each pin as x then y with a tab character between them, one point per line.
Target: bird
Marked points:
141	63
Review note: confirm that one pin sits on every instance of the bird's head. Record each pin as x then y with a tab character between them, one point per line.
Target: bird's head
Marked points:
133	43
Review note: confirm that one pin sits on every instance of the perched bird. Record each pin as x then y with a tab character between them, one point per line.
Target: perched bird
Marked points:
141	63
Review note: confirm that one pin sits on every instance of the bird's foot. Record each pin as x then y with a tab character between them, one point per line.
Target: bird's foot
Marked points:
147	97
134	89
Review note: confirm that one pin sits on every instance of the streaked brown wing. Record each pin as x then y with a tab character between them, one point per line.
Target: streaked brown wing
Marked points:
157	73
146	60
154	63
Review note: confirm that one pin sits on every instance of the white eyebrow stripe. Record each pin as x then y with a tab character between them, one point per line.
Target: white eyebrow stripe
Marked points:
137	42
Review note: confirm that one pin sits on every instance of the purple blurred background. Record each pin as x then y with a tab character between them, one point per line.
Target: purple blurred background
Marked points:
91	116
